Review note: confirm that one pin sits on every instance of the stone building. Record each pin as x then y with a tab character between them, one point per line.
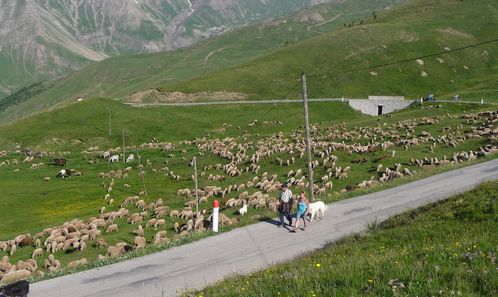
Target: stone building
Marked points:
379	105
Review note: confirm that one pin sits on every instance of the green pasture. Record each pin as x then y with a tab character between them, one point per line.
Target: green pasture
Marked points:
28	204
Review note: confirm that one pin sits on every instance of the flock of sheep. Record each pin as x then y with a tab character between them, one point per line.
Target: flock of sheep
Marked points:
242	158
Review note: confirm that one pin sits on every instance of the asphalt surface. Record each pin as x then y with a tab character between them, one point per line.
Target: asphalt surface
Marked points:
283	101
235	102
257	246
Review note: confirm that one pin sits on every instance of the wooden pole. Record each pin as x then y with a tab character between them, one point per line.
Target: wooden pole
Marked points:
196	187
308	138
110	123
124	148
142	173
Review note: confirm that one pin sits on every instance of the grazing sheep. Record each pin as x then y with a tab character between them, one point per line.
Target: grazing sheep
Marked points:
243	210
160	222
112	228
139	242
13	250
139	231
46	179
77	263
37	253
100	243
14	276
113	251
160	237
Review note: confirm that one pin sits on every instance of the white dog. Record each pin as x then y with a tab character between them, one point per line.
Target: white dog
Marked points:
315	207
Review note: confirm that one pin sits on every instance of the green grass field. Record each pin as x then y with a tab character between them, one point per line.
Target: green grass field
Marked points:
28	204
445	249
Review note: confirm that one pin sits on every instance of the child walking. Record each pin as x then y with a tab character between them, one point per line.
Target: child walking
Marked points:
302	208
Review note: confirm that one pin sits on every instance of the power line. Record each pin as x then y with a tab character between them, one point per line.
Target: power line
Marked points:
408	59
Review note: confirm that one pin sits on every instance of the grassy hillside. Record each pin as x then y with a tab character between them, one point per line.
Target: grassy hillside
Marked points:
29	204
404	256
120	76
418	28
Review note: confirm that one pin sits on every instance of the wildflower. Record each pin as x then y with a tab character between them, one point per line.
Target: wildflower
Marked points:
370	281
317	265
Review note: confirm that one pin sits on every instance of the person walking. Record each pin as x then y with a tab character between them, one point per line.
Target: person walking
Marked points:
302	208
285	205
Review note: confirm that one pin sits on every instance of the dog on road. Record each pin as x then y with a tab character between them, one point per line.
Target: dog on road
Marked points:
316	207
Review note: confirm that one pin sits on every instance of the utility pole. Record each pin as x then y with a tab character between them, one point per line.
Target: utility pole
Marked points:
308	138
142	173
124	148
196	187
110	122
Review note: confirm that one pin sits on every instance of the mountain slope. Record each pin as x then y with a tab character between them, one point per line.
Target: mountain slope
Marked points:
416	29
42	39
122	75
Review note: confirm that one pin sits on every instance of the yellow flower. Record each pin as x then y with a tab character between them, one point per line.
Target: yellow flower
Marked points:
318	265
370	281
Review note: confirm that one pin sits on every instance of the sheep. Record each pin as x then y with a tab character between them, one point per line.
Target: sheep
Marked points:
139	231
14	276
37	253
243	210
139	242
160	222
46	179
113	251
160	237
135	218
74	264
151	223
93	234
112	228
13	250
100	243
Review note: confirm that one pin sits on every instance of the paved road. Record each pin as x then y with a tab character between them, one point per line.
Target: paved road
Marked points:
257	246
233	102
283	101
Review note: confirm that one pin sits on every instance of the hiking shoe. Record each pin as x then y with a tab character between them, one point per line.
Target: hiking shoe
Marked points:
293	231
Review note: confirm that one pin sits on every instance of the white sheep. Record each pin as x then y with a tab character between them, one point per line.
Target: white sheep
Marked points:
37	253
243	209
